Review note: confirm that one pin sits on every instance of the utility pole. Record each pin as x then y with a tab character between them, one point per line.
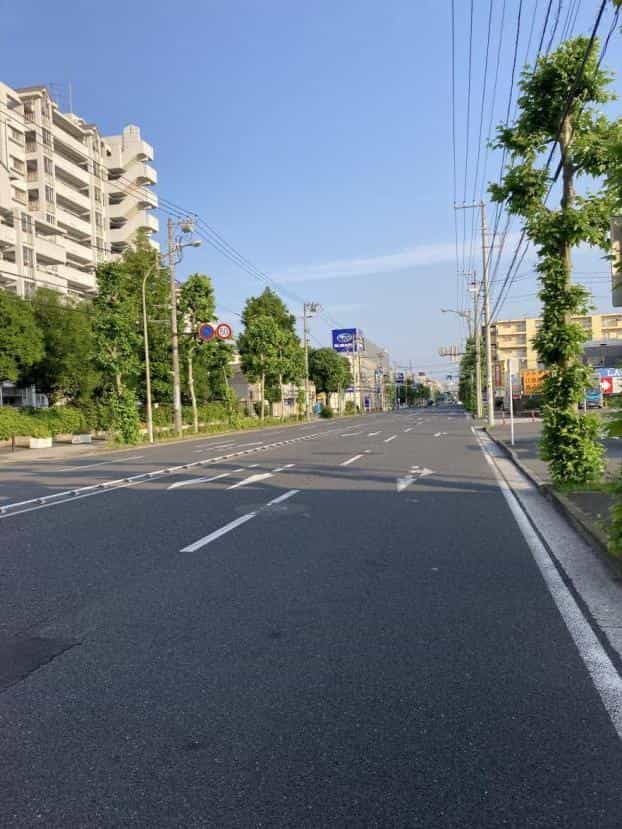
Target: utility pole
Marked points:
174	333
489	377
490	391
307	309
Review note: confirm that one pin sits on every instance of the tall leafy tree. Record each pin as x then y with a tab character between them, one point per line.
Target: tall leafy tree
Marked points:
561	103
288	362
329	371
258	345
196	305
67	367
21	341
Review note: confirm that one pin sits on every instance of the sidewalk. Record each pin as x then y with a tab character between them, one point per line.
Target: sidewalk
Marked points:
589	509
59	451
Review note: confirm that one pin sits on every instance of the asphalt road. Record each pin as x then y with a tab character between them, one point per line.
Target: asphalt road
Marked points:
341	625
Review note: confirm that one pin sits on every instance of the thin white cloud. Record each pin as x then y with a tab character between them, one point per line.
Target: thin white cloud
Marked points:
413	257
364	266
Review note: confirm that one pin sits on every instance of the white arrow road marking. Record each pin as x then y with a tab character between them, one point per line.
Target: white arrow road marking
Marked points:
252	479
439	434
281	468
409	429
350	460
416	472
214	446
191	481
77	468
283	497
388	440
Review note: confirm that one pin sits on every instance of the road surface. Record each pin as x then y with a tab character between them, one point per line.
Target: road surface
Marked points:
337	624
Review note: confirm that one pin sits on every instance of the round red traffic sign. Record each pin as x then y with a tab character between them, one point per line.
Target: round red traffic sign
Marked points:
224	331
206	331
606	385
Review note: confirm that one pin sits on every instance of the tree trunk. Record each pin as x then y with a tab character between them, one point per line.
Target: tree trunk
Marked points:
567	200
282	397
193	397
118	383
263	386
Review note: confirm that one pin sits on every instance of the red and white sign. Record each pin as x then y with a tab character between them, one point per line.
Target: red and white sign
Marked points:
224	331
606	385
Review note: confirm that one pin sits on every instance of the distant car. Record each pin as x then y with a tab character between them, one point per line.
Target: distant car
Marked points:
430	402
593	399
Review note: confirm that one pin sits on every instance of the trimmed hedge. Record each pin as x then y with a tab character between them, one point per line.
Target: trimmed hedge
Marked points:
41	423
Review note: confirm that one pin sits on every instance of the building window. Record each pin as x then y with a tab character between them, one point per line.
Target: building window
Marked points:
49	194
99	221
26	223
98	195
16	136
48	165
31	170
29	112
50	218
99	244
47	137
28	256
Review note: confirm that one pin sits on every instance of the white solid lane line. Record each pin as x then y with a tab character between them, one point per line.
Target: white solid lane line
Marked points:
281	468
213	446
409	429
254	443
191	481
283	497
77	468
218	533
350	460
252	479
350	434
373	434
604	675
388	440
207	539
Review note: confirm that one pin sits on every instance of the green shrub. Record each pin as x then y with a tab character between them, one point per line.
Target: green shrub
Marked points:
61	420
326	412
350	408
125	420
20	423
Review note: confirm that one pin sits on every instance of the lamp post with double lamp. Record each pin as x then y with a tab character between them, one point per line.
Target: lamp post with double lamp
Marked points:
194	243
308	308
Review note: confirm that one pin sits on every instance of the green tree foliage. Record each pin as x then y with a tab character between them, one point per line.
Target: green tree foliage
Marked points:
284	361
258	347
196	305
21	342
466	382
560	101
329	371
67	367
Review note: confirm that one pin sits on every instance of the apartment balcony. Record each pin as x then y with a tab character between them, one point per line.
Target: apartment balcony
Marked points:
71	170
69	142
8	238
49	249
142	174
141	221
78	201
79	252
76	224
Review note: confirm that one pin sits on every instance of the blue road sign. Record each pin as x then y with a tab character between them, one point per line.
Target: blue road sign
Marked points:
207	331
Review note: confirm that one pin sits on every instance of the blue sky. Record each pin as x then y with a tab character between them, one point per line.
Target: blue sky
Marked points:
314	137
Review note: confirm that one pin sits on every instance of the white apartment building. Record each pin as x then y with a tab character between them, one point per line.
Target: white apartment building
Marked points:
69	197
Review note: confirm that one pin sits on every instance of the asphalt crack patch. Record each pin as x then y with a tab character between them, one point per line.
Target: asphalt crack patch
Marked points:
23	656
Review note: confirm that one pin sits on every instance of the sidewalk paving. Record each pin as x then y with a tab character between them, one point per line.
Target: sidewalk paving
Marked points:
57	452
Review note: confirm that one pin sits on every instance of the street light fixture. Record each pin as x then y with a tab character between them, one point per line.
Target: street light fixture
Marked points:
308	308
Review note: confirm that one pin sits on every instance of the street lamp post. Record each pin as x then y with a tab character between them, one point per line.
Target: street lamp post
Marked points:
308	308
147	362
173	255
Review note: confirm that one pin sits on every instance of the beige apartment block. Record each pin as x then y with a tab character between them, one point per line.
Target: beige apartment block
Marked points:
514	338
70	198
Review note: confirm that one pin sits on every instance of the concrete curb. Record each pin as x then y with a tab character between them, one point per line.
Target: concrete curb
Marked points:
582	523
